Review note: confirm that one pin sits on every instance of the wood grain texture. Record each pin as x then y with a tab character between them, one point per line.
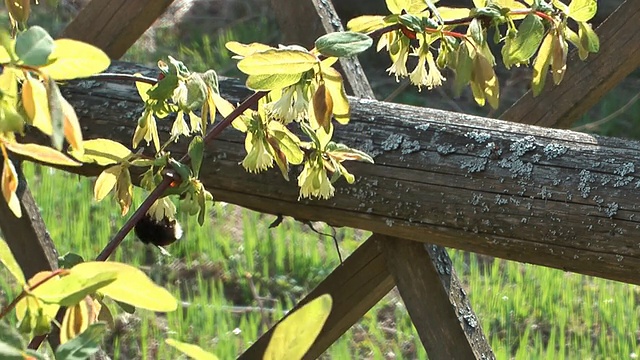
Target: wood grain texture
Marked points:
586	82
439	307
27	236
550	197
115	25
355	286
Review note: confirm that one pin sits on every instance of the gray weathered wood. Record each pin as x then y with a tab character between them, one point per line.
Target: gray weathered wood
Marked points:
27	236
438	305
550	197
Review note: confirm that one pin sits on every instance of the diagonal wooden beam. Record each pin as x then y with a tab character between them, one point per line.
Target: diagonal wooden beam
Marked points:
438	305
355	286
585	83
27	236
115	25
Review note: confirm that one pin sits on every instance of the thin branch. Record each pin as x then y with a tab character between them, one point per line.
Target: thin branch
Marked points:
613	115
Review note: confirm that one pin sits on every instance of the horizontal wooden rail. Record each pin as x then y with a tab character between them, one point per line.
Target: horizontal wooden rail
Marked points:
549	197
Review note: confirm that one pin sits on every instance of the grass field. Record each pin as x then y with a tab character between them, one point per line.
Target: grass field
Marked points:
236	277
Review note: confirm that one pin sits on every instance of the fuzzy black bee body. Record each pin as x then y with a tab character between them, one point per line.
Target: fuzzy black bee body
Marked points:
159	233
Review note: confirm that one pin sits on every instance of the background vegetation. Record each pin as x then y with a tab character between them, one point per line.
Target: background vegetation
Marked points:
236	276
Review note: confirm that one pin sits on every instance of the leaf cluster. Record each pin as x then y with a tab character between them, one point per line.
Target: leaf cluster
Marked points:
81	287
531	31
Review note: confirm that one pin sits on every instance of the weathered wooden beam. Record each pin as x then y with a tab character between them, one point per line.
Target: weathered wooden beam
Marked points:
115	25
586	82
355	286
435	300
27	236
550	197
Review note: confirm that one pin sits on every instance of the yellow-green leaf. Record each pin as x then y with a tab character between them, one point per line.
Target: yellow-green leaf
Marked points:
142	87
588	37
582	10
102	152
410	6
73	287
541	64
193	351
277	61
71	125
366	23
7	259
449	13
36	104
266	82
74	59
41	153
223	105
131	286
294	335
106	182
9	187
246	49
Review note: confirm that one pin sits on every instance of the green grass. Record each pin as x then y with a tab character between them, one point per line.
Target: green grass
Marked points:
227	269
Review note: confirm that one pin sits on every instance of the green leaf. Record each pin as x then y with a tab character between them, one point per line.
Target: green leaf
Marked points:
131	286
588	37
69	260
54	98
34	46
7	259
84	345
72	59
463	69
476	32
277	62
583	10
343	43
266	82
411	22
8	352
527	40
102	152
196	152
193	351
72	288
41	153
294	335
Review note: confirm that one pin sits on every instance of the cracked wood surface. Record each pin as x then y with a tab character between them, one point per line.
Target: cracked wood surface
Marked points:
550	197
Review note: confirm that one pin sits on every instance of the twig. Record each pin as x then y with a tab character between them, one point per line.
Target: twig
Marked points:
613	115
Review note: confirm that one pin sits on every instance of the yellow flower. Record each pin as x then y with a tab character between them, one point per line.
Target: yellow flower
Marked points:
147	129
258	156
399	66
162	208
282	109
179	127
314	182
301	103
420	76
